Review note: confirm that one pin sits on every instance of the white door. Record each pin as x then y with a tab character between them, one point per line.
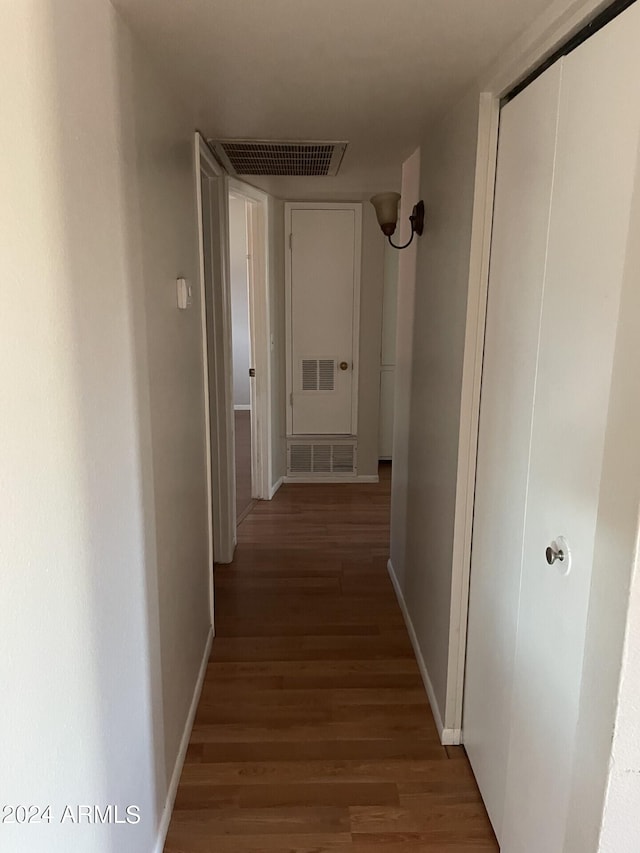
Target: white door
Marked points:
323	311
518	256
528	618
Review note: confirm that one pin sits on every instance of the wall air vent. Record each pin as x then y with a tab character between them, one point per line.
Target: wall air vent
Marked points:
322	457
284	158
318	374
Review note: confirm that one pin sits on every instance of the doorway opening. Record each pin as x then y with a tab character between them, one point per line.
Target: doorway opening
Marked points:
211	200
239	269
213	190
248	217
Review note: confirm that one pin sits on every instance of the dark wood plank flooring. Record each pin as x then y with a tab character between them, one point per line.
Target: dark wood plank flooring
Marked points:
314	734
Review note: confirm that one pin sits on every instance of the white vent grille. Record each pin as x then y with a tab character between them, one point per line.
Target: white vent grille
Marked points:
326	374
319	458
343	459
265	157
318	374
301	458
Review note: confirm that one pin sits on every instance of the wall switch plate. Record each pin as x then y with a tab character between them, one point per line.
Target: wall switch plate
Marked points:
182	293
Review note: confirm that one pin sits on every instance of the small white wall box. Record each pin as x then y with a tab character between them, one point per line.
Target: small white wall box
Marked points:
183	291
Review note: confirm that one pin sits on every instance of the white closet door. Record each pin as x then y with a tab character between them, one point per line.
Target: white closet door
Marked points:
520	231
598	134
325	247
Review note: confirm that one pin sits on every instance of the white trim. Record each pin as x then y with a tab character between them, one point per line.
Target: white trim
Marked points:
357	279
260	287
274	488
167	812
217	374
550	30
242	407
486	156
336	478
197	170
448	737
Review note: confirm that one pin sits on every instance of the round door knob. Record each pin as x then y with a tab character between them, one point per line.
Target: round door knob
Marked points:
554	553
344	365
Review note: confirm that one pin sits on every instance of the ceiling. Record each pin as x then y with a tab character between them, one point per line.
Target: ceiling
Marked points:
373	72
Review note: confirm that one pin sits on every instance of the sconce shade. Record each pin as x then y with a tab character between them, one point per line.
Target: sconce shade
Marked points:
386	207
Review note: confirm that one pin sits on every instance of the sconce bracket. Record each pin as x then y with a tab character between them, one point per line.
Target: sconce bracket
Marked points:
417	225
417	218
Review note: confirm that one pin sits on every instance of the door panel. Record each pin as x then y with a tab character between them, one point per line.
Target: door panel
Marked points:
518	256
323	273
595	167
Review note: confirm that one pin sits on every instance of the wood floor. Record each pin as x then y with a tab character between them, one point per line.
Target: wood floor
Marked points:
314	734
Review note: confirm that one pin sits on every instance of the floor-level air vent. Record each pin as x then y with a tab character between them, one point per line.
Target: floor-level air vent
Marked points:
321	457
265	157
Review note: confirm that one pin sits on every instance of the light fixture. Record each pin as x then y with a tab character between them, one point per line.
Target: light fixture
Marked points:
386	206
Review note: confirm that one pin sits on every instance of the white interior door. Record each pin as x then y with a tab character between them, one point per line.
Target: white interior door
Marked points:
324	279
528	618
518	259
598	132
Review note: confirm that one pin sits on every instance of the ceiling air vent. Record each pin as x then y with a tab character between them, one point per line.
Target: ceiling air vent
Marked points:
285	158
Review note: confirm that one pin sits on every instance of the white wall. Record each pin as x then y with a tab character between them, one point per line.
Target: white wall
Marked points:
239	300
388	351
104	604
330	189
431	327
390	303
405	310
159	175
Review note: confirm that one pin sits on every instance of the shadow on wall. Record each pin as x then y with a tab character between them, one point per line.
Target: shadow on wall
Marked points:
106	626
120	699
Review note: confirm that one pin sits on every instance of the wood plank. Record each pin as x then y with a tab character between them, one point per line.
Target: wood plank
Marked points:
314	733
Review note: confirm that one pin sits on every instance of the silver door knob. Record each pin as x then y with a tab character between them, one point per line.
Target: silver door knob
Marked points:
554	553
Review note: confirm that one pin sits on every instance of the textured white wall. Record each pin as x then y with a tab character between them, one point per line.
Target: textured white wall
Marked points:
239	300
104	603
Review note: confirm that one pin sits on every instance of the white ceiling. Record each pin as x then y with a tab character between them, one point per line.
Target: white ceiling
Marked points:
373	72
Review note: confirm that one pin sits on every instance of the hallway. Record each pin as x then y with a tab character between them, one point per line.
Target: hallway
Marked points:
313	731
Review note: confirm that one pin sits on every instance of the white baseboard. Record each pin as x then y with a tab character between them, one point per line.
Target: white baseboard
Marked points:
362	478
275	487
182	752
242	408
448	737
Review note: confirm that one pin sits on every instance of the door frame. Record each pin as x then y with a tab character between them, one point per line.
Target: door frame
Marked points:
356	207
215	298
260	285
551	30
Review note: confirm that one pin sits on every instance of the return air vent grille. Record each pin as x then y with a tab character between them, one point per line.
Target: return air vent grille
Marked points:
318	458
284	158
318	374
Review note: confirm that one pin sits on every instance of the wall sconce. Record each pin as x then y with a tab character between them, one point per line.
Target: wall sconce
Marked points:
386	206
